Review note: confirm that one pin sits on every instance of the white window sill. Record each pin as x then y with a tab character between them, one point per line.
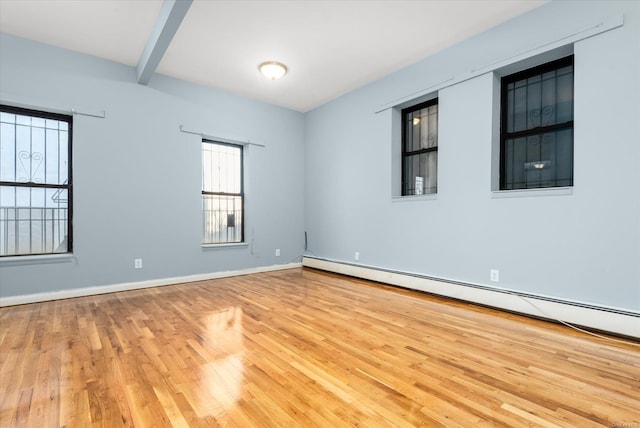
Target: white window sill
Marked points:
527	193
415	198
224	246
37	260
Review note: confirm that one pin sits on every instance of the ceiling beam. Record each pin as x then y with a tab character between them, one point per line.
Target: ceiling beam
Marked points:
171	15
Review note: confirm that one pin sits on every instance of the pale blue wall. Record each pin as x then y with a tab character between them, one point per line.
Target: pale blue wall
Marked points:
137	178
581	247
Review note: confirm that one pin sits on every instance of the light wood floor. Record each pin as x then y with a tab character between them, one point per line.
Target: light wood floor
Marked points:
303	348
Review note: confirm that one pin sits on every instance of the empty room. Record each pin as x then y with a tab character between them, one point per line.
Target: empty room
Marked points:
319	213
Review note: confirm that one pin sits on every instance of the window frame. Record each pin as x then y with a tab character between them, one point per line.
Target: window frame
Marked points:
4	108
405	154
540	130
241	194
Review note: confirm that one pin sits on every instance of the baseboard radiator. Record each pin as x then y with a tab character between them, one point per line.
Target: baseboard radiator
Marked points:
613	320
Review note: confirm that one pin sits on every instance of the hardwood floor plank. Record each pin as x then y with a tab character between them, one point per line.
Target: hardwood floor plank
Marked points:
303	348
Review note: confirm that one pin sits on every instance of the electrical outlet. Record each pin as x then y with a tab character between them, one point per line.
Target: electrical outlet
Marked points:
356	256
277	252
137	263
495	275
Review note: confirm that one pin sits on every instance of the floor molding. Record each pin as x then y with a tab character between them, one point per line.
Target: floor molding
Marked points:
103	289
618	321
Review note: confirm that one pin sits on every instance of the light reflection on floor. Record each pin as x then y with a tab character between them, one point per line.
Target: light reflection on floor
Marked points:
220	382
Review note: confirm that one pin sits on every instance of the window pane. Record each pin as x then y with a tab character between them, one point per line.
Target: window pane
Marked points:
519	112
544	160
222	219
421	174
564	158
541	100
34	154
408	133
534	95
23	153
515	155
7	152
7	117
23	120
429	133
51	124
33	159
221	168
421	129
37	122
564	98
33	221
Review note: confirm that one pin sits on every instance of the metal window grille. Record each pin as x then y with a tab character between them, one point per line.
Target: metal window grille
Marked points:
222	193
536	139
35	182
420	148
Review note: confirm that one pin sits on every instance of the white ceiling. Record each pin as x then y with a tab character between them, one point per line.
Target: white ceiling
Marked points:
330	47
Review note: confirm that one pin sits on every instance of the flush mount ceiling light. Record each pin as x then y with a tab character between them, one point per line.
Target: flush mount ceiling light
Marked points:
273	70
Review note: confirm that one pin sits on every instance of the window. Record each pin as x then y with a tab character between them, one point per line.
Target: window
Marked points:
35	182
536	137
420	149
222	193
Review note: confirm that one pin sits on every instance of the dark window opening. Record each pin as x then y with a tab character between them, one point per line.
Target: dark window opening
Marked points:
222	193
420	149
35	182
536	138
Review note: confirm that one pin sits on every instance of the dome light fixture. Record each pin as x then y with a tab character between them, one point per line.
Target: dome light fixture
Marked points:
273	70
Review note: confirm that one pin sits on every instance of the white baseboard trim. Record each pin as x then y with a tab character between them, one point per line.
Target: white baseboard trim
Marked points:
103	289
615	320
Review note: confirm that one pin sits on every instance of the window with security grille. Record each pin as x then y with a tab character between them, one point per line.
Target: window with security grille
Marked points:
222	193
420	149
35	182
536	138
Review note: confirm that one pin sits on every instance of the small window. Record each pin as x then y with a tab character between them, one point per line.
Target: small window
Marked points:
222	193
35	182
536	137
420	149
